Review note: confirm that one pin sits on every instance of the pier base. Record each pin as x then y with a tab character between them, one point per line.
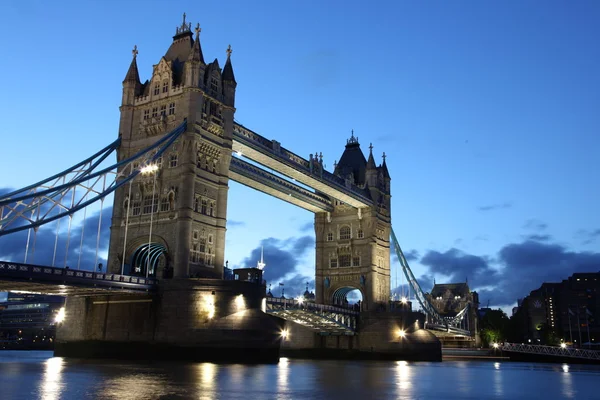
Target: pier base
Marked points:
192	319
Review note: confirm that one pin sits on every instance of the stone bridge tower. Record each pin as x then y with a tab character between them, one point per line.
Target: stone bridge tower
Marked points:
184	203
353	245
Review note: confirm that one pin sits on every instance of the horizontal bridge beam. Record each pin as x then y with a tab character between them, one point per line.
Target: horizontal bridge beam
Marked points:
271	155
259	179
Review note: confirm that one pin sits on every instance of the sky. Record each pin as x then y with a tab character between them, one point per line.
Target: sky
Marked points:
487	112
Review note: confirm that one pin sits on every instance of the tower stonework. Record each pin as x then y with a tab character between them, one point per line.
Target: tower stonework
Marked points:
352	245
183	203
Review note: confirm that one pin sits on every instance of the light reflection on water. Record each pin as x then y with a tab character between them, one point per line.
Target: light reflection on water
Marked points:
38	375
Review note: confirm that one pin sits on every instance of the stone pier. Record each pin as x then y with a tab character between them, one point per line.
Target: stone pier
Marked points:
192	319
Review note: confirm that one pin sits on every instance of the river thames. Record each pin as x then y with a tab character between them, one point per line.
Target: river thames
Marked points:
39	375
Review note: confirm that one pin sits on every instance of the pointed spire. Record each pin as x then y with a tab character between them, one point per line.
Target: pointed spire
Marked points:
371	161
384	168
352	139
261	265
132	74
228	68
184	28
196	51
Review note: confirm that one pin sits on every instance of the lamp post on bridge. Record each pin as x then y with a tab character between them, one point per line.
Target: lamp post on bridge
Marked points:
150	169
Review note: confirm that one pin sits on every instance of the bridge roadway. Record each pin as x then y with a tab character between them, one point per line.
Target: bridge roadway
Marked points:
69	282
270	154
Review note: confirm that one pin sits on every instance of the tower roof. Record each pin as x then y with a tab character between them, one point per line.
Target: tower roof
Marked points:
228	68
196	52
352	161
180	49
132	73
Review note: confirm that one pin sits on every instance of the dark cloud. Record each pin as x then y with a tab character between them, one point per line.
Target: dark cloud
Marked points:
293	287
495	207
587	237
535	225
281	256
12	247
412	255
307	227
234	224
538	237
525	266
459	266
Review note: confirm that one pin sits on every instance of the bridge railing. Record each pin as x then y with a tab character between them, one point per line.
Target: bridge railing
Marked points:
293	303
551	350
30	270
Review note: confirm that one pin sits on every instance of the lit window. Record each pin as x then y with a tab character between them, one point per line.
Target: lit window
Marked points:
345	233
330	237
333	263
171	108
173	161
361	234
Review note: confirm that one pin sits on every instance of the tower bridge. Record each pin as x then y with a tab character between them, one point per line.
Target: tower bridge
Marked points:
178	145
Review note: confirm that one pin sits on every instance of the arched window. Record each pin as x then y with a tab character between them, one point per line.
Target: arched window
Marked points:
345	232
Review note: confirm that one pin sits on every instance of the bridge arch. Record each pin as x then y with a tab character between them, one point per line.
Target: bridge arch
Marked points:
142	255
339	296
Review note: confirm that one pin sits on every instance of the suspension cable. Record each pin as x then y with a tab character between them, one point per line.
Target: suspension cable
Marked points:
82	230
126	226
69	230
99	224
150	235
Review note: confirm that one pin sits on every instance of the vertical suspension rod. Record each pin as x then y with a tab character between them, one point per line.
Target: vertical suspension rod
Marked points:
126	226
69	230
150	235
99	222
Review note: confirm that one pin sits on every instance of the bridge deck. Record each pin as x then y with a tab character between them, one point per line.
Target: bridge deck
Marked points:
68	282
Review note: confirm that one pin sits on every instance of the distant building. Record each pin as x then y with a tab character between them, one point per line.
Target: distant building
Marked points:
569	309
28	320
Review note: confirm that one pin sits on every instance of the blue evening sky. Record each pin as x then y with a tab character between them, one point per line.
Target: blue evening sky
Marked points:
488	112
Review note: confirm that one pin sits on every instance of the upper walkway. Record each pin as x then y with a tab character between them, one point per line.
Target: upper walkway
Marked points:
270	154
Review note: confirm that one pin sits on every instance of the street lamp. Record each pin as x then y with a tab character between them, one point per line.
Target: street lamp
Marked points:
150	169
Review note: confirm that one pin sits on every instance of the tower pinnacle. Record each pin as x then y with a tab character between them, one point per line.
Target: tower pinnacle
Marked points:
198	30
229	51
184	28
134	51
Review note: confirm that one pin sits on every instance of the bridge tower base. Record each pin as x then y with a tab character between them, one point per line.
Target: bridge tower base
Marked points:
378	338
197	319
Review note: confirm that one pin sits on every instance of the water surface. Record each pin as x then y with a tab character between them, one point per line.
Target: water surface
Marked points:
39	375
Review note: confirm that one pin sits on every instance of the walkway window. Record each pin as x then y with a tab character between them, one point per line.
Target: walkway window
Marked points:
345	232
150	204
345	261
361	234
165	205
333	263
135	210
173	160
330	237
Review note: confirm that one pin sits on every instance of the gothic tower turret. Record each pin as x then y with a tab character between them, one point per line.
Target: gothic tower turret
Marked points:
172	222
352	245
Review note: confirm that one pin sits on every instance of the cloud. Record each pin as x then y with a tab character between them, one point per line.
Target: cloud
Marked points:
235	224
281	256
293	287
538	237
411	255
495	207
12	247
535	225
524	267
459	266
307	227
586	236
